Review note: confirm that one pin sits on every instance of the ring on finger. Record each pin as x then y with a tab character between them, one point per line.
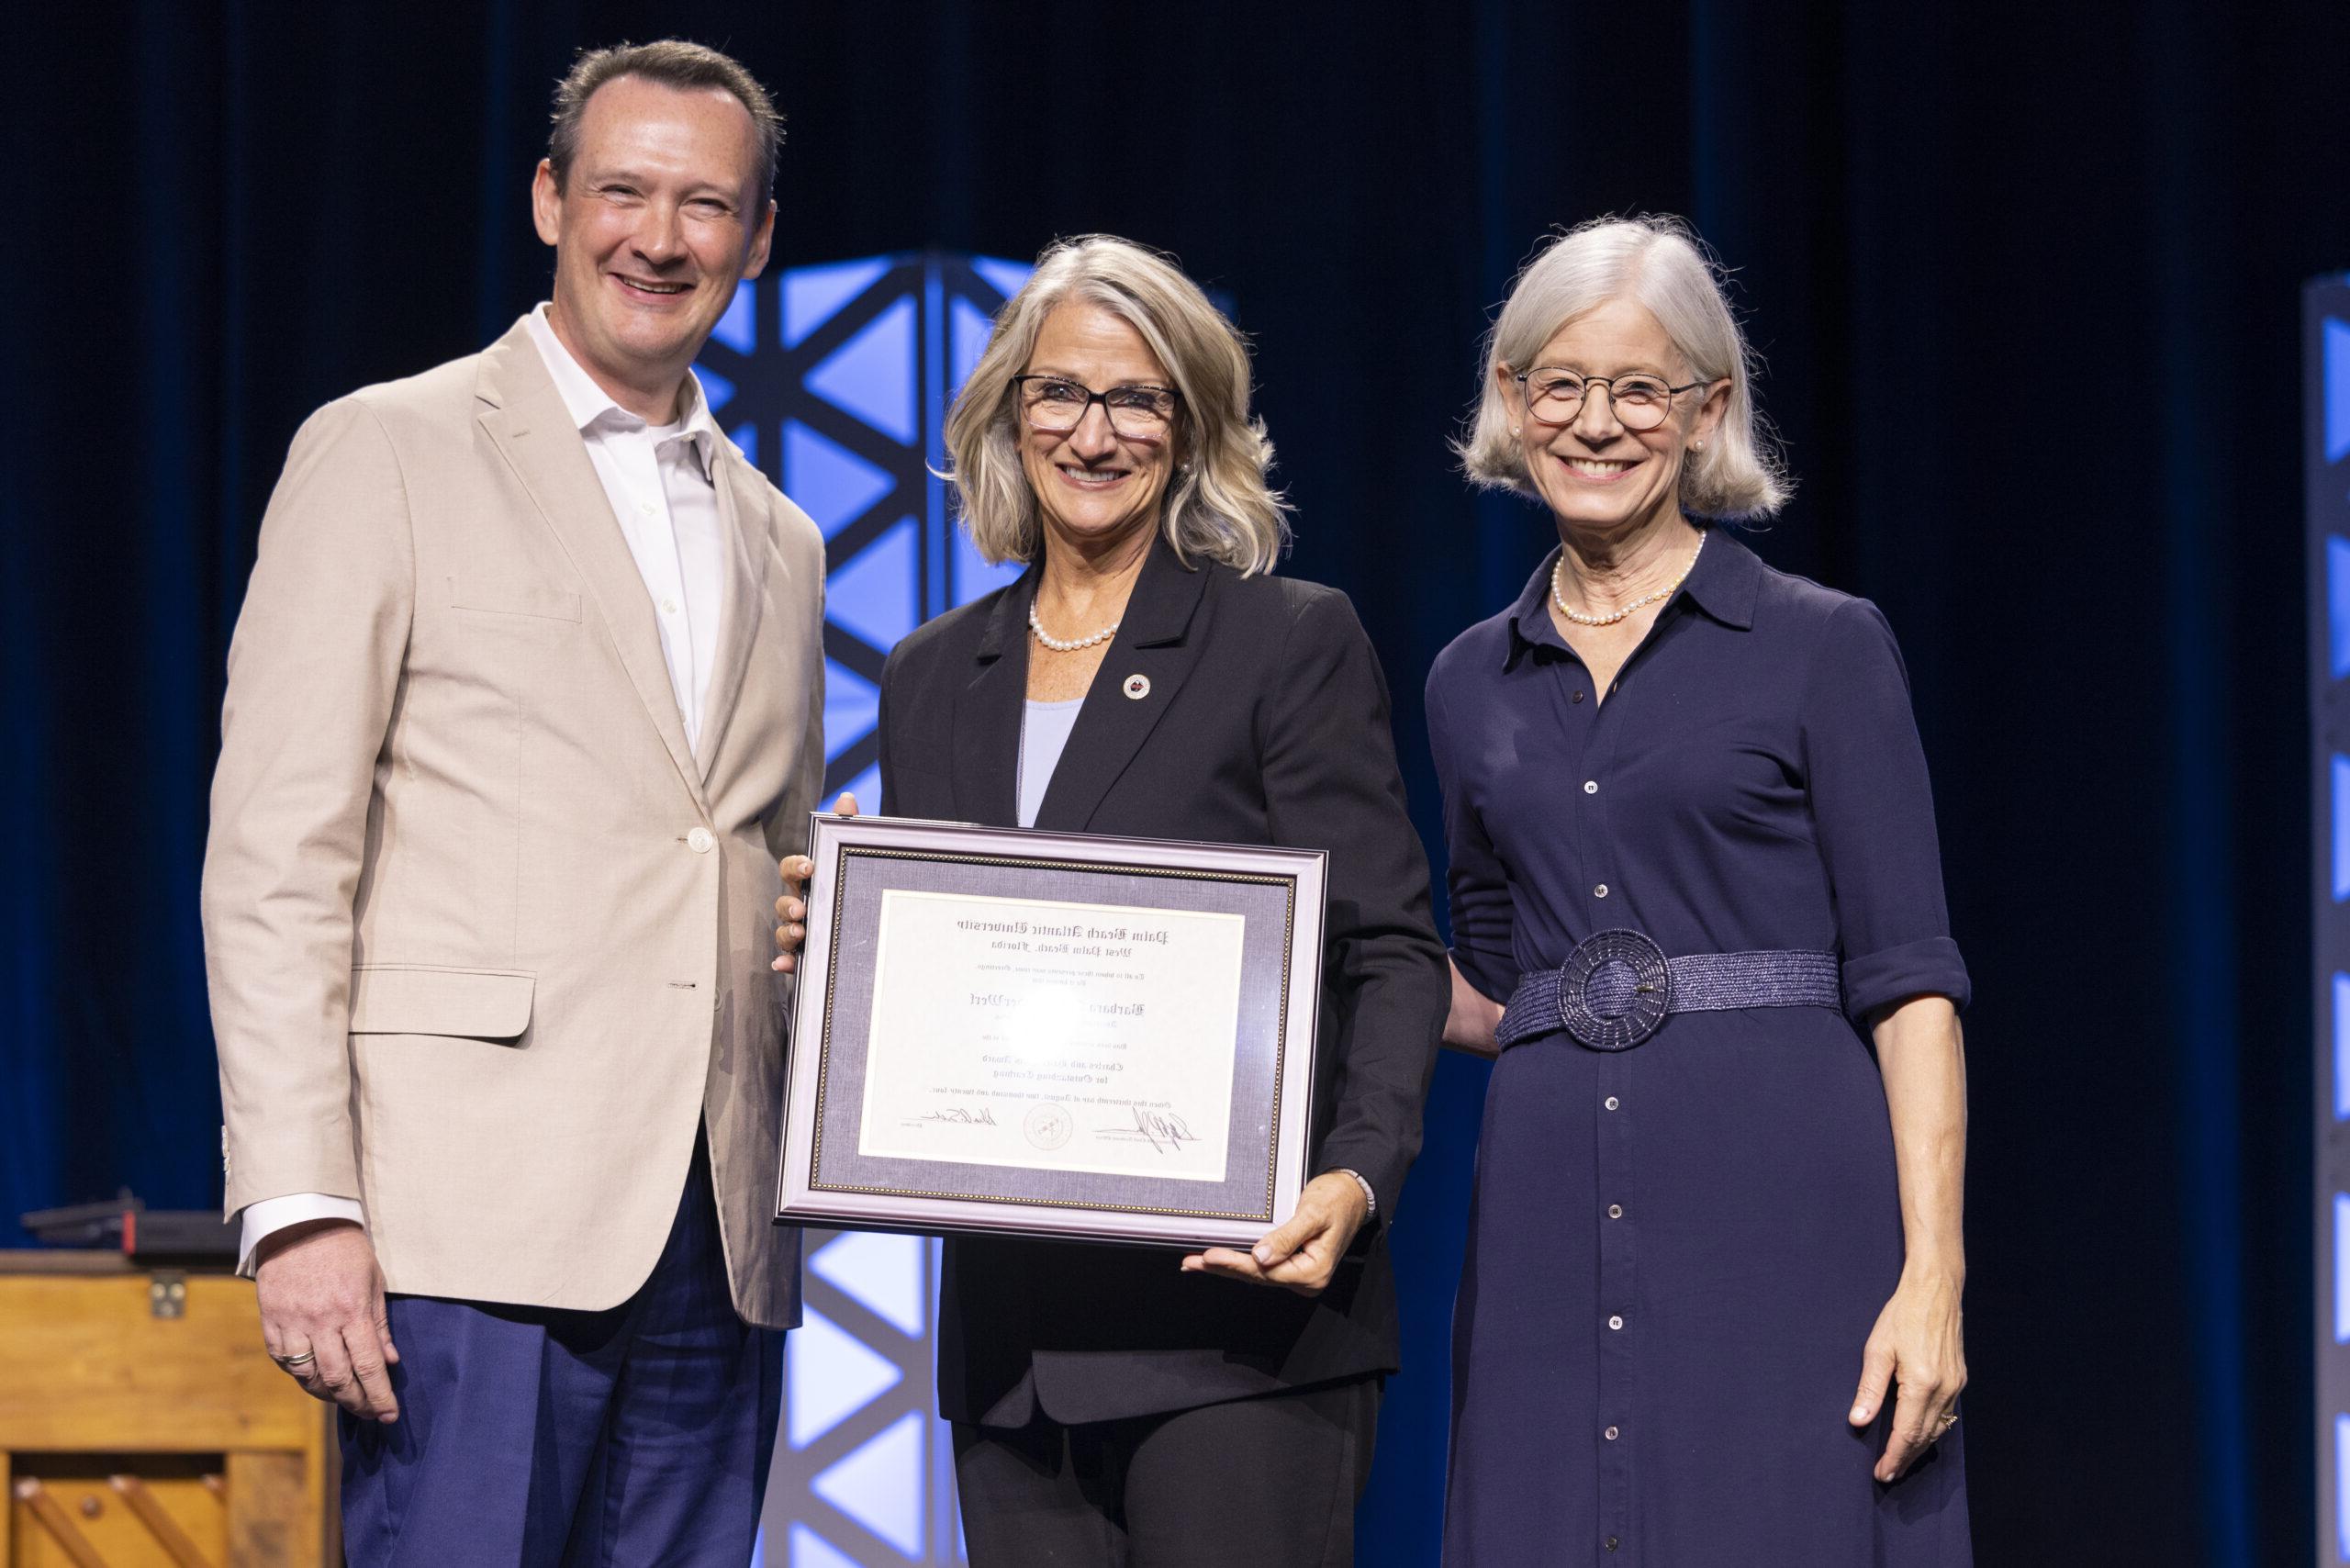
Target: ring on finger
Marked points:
291	1363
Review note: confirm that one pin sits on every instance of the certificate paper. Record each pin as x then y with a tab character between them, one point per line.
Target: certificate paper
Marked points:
1052	1036
1070	1036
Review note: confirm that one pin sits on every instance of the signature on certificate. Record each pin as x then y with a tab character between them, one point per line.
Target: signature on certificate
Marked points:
1163	1130
957	1116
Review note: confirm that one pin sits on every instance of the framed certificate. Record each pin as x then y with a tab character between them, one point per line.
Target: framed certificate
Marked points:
1055	1034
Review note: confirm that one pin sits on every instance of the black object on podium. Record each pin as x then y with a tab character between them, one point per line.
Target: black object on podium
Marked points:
127	1226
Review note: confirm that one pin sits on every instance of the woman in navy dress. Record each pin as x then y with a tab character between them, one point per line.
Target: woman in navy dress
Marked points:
1710	1311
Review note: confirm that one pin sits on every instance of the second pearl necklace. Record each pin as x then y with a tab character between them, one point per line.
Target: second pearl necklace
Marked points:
1061	646
1577	616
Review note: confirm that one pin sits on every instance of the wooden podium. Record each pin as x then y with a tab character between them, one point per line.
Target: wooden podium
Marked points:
141	1422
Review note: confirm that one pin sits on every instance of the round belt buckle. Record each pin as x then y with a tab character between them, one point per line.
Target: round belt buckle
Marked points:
1614	991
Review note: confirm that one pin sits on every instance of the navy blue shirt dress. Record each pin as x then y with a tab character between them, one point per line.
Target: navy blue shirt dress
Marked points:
1677	1251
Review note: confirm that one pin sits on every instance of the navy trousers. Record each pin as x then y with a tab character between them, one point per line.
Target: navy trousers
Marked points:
534	1436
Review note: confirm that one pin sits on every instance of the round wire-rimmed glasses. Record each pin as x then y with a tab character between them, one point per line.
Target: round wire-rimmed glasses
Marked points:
1055	404
1638	402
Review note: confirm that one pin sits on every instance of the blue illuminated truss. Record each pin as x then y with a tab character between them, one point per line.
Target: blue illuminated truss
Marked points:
2326	400
835	380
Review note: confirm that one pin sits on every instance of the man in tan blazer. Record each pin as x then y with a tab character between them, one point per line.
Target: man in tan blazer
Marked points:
524	705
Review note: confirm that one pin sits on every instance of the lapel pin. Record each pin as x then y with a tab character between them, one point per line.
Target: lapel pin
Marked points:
1137	687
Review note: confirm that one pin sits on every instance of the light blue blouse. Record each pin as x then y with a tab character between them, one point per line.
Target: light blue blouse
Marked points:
1043	731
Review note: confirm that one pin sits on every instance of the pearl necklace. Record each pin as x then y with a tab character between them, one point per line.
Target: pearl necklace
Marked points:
1059	646
1580	619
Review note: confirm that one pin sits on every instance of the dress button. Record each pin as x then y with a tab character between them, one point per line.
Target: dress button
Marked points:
1610	1434
1615	1211
1611	1543
1591	786
700	841
1578	695
669	607
1600	891
1615	1323
1613	1101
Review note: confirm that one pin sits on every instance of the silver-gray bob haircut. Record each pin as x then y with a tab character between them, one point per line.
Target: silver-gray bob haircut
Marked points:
1220	506
1660	261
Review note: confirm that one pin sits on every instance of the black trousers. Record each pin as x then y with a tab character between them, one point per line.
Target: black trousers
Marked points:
1264	1482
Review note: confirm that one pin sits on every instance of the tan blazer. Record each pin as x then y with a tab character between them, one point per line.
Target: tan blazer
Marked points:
485	939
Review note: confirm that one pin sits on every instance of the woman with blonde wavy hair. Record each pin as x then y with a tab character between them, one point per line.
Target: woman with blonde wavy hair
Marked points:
1711	1310
1146	675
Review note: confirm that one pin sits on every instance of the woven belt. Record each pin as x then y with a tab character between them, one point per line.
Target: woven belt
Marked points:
1616	987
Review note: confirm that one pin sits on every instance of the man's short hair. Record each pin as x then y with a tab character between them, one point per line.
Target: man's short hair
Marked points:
672	63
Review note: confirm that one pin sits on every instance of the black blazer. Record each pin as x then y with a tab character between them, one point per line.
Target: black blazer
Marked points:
1266	723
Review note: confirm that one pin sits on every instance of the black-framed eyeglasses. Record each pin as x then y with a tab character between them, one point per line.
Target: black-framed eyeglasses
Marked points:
1639	402
1055	404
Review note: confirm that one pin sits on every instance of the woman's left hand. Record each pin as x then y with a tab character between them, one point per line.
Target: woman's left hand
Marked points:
1303	1254
791	909
1918	1345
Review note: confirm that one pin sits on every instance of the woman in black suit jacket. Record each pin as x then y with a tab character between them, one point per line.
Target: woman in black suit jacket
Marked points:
1144	677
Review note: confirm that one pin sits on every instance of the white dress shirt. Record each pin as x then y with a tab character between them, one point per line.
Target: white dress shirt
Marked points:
661	482
659	478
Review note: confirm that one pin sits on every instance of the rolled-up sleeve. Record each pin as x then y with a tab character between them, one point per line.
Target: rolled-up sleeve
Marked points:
1476	888
1874	812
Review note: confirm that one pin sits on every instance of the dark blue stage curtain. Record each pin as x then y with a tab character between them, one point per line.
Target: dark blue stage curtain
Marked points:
2025	282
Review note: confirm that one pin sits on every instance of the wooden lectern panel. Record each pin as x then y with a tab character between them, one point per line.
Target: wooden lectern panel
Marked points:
86	1510
141	1423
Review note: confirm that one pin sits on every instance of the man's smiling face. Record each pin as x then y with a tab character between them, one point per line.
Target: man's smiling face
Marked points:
658	218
